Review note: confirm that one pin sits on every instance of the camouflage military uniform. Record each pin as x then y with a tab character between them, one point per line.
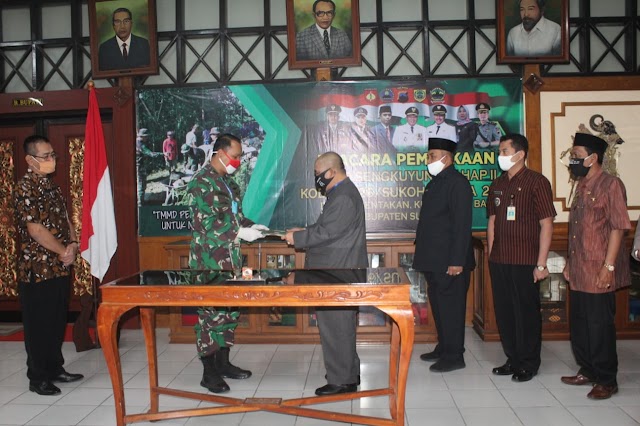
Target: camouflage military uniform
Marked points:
215	227
142	166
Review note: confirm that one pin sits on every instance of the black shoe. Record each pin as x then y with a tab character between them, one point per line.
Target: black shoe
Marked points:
336	389
211	378
226	369
430	356
67	377
523	375
445	365
357	379
44	388
503	370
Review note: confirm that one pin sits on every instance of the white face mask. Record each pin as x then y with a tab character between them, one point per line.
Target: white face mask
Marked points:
505	163
436	167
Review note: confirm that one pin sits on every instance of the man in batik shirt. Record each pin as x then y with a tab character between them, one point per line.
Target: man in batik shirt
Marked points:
218	227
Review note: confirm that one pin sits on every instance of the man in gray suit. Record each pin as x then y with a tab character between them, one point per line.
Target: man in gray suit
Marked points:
321	40
336	241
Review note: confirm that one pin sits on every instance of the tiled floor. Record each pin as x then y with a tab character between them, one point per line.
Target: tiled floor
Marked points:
472	396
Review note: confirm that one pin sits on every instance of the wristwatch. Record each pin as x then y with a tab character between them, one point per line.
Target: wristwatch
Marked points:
609	267
541	267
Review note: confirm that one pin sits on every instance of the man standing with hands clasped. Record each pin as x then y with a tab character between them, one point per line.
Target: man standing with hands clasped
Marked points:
218	227
445	218
597	265
521	212
336	241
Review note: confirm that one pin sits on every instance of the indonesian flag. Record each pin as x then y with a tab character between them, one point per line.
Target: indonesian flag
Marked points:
98	240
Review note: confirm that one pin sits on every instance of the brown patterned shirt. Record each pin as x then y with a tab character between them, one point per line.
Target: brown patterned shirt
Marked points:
39	200
599	206
517	242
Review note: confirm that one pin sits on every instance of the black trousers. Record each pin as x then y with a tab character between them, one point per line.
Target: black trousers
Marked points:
516	301
44	317
337	328
593	335
448	299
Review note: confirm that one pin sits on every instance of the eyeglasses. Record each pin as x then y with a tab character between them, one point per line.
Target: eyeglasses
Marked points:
322	13
121	21
46	157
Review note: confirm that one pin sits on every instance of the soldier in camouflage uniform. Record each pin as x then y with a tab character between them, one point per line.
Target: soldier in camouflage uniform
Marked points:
142	164
489	133
218	227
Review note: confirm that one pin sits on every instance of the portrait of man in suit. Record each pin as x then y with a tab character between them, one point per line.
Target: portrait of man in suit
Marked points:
125	50
322	40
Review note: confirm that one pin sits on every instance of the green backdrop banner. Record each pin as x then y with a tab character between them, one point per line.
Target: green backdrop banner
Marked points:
284	127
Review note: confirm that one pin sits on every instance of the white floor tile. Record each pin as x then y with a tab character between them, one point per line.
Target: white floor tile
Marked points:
434	417
598	416
62	415
474	398
483	416
85	396
19	414
530	398
545	416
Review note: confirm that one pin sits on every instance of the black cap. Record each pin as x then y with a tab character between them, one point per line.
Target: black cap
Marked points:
385	108
439	109
443	144
334	108
411	110
483	107
590	141
359	111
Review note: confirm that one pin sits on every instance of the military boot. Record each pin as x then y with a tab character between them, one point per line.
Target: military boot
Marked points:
211	378
226	369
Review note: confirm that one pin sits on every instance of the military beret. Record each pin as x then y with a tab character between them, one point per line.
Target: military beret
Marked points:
443	144
411	111
359	111
385	108
334	108
590	141
143	132
439	109
483	107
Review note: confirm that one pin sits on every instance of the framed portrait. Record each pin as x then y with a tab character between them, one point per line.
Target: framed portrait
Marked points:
123	37
532	31
323	33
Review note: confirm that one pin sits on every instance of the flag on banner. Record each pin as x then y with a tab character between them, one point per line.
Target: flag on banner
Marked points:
98	240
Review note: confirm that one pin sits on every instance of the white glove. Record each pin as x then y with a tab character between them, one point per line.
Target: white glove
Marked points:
259	227
249	234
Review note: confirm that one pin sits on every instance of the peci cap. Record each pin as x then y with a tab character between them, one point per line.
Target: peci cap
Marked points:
443	144
359	111
385	108
143	132
439	110
411	111
590	141
334	108
483	107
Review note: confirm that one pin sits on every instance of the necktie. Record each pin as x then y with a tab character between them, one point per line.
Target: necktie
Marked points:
437	129
388	134
411	129
124	51
326	42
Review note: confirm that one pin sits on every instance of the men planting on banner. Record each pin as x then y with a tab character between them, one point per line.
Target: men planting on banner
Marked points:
218	227
444	253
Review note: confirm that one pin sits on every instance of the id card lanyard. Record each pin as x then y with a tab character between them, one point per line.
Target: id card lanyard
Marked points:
511	209
234	203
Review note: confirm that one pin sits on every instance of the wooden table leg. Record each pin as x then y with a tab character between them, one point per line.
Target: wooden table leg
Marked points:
108	317
148	323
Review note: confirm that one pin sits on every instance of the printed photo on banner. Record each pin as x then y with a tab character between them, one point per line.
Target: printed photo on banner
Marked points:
323	33
381	129
123	37
533	31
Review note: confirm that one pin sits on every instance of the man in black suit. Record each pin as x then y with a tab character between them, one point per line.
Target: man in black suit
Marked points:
125	50
444	252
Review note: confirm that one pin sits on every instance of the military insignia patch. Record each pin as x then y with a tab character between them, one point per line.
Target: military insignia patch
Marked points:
419	95
370	95
437	94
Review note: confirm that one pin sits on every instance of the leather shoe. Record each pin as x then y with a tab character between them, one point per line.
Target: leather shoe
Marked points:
576	380
430	356
503	370
522	375
602	392
330	389
445	365
67	377
357	379
44	388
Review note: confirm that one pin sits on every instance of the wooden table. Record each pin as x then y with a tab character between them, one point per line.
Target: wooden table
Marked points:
388	289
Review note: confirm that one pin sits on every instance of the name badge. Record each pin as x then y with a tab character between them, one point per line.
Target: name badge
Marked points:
511	213
234	207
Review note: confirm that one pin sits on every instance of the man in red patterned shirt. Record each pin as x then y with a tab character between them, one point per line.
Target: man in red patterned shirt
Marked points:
597	266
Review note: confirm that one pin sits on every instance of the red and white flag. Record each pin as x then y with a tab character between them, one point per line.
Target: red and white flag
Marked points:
98	239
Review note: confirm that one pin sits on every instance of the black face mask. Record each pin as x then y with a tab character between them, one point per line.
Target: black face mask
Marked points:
322	182
577	167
